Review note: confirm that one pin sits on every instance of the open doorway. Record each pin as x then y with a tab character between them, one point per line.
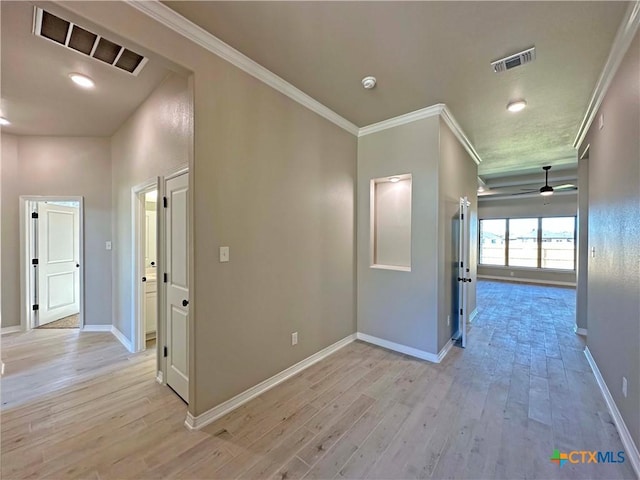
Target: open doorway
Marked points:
52	273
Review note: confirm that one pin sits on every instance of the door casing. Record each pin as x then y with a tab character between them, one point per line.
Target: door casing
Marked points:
27	277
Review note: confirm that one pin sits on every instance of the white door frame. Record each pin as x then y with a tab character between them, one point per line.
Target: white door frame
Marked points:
162	287
27	278
137	209
138	271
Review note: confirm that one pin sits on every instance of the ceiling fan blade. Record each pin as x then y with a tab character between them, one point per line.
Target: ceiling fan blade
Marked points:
527	192
565	186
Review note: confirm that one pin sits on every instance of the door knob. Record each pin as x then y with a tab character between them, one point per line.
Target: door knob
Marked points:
185	303
144	279
77	265
153	264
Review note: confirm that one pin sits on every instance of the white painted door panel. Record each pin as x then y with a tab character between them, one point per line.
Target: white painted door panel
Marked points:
177	298
58	256
463	270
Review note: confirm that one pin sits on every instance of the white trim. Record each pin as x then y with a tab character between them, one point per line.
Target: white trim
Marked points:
624	37
121	337
160	377
580	331
27	319
439	109
432	111
527	280
397	347
455	127
138	208
627	441
197	422
96	328
473	315
447	346
12	329
176	22
390	267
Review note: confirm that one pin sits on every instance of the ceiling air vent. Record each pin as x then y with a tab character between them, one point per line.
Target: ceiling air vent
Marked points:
74	37
515	60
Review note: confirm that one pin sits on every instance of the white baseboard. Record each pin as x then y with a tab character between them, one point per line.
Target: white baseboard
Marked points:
12	329
473	315
527	280
96	328
413	352
123	340
580	331
159	377
627	441
197	422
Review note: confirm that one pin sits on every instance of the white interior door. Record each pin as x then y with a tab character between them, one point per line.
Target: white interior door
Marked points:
464	278
177	297
58	234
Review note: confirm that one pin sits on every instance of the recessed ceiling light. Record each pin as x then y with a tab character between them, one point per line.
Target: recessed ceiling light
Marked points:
516	106
4	121
394	179
369	82
82	80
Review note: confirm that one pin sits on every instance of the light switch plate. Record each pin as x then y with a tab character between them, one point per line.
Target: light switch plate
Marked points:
107	245
224	254
294	338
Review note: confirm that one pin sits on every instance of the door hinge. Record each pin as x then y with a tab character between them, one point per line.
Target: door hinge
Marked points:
460	311
461	264
462	216
36	307
165	351
34	215
34	261
165	202
164	278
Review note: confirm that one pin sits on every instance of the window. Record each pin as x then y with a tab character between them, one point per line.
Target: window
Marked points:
547	243
523	242
558	242
492	242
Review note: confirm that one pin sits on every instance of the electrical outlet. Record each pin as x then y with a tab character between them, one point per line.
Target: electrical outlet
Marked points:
448	320
294	338
624	386
107	245
224	254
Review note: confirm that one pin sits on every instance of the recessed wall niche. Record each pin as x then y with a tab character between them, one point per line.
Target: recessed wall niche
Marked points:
390	237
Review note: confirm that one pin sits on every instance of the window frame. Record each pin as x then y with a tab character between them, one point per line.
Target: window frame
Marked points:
539	246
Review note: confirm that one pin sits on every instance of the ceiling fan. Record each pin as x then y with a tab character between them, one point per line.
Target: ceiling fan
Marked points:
547	189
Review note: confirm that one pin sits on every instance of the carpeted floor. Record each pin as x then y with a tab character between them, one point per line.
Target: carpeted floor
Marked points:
72	321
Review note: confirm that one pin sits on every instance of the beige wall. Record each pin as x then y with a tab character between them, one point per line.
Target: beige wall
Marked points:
564	205
274	182
153	141
614	231
392	227
78	166
458	177
399	306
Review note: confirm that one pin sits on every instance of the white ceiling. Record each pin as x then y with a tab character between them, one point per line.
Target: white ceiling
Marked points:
37	95
424	53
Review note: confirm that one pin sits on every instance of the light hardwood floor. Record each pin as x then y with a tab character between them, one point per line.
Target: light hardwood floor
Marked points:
77	405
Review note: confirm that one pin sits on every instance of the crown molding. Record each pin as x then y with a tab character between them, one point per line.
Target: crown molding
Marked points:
432	111
623	39
439	109
455	127
176	22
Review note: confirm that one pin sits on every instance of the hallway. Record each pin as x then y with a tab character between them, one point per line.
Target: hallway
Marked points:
498	409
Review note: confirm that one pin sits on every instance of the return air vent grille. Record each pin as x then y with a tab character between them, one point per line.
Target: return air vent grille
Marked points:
74	37
515	60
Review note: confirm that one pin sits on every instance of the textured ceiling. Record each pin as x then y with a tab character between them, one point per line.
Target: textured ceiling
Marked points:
424	53
38	97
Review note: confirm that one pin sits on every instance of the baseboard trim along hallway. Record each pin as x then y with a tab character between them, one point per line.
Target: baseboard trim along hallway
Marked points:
413	352
197	422
629	446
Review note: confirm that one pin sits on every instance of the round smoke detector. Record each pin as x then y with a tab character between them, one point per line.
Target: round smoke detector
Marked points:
369	82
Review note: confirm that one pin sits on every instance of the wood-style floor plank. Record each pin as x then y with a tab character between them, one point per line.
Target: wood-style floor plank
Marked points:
78	405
